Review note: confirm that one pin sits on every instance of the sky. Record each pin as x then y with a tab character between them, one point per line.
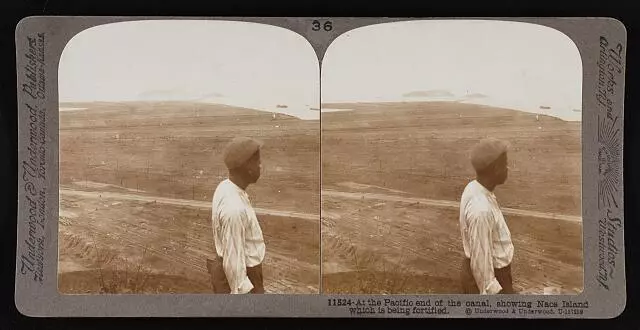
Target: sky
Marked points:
234	63
507	64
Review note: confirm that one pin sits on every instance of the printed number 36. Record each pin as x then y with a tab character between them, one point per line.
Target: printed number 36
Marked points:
326	26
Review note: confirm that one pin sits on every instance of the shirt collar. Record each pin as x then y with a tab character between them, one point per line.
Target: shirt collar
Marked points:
235	186
484	190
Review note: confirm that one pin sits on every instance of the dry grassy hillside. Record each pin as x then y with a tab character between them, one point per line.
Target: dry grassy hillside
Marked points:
173	149
422	148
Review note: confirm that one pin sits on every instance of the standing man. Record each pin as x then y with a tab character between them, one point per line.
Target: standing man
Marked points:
486	240
237	265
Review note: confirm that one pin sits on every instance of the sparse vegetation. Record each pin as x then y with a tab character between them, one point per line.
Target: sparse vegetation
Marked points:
118	274
380	277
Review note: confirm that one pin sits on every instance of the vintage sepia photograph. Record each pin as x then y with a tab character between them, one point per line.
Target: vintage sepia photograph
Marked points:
386	167
189	160
452	160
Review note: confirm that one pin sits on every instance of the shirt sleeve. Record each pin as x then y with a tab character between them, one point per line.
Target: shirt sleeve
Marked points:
480	239
233	238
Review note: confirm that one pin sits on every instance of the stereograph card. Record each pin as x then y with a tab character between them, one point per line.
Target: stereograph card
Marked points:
320	167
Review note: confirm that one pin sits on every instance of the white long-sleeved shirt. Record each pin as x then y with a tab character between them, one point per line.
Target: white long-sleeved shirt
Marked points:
485	236
237	234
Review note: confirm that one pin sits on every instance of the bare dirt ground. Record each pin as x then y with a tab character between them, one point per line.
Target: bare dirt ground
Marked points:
136	182
393	175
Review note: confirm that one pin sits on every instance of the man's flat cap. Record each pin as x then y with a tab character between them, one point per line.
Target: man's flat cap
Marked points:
486	152
239	150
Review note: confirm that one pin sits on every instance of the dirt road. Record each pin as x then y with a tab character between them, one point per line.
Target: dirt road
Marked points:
332	193
173	201
445	204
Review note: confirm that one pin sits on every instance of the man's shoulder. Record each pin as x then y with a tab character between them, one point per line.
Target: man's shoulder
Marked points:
471	192
479	204
476	203
469	188
222	185
224	190
229	205
226	198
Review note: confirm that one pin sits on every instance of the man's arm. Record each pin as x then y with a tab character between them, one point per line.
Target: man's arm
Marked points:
480	245
233	252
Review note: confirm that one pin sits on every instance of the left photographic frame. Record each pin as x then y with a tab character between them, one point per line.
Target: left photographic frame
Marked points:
147	111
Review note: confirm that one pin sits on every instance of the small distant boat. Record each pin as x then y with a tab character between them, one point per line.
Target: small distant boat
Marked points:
544	107
281	106
314	109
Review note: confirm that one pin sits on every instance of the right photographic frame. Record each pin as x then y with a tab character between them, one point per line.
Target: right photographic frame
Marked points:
452	160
